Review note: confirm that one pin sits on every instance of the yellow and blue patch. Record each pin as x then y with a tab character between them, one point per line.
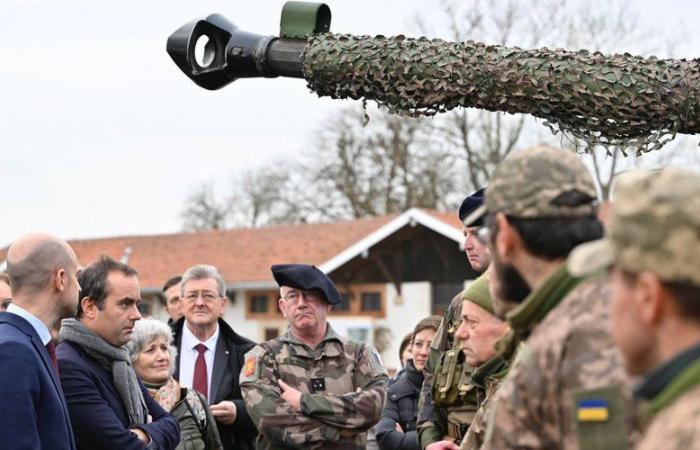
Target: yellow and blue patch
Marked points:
592	410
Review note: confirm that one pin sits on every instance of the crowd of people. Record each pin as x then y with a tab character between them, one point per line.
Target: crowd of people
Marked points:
582	332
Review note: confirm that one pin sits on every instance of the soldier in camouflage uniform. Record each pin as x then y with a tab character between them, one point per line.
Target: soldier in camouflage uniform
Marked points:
653	244
479	331
446	407
484	336
311	388
540	204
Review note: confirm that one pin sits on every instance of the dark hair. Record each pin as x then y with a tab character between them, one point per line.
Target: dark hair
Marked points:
34	272
554	237
171	282
93	280
432	322
404	343
685	294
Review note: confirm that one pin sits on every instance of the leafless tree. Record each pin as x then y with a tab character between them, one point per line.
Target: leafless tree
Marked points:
204	211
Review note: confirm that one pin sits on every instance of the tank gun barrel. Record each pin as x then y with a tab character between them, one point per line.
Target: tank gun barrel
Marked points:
604	99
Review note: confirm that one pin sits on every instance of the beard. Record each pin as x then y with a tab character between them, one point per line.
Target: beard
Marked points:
511	288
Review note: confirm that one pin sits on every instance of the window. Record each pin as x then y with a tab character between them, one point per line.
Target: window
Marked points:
443	293
344	304
371	301
258	304
271	333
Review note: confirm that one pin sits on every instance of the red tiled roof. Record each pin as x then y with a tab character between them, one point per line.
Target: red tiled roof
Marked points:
241	255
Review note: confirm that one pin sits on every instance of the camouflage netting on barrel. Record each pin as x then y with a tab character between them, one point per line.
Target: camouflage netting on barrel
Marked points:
620	100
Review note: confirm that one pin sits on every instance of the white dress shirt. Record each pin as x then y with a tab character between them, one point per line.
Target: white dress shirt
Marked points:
40	327
188	356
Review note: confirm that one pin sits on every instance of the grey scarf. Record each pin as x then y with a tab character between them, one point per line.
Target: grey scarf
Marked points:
115	360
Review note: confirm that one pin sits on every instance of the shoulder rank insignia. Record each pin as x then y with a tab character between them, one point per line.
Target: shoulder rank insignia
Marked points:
592	410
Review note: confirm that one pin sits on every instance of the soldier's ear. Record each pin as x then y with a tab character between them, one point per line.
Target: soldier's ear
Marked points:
652	299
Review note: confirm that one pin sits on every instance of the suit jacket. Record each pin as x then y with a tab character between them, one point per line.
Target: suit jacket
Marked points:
33	412
96	409
228	362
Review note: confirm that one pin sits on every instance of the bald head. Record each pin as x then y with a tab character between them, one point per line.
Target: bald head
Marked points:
32	261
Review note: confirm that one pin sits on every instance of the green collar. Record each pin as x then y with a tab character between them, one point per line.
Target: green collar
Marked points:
673	379
541	301
493	367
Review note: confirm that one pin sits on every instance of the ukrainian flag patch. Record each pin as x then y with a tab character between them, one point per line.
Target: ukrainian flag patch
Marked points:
592	410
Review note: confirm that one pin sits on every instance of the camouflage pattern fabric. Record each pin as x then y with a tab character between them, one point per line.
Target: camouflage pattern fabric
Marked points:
492	373
569	352
608	100
676	427
528	183
654	226
432	421
335	416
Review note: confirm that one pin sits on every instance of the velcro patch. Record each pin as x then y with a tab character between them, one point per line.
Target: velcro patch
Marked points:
592	410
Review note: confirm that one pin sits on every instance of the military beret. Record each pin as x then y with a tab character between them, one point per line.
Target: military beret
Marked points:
470	204
306	277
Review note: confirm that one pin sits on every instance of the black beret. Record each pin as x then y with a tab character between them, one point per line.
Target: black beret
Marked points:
470	204
306	277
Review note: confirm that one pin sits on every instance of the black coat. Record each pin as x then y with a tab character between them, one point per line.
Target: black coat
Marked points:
228	362
402	408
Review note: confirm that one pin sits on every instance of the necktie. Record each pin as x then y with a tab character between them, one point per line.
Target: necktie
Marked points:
199	382
51	348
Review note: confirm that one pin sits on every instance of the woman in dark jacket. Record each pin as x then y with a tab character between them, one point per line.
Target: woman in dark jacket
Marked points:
153	358
397	428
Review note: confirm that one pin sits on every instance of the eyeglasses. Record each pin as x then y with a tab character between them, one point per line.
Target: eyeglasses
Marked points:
293	297
207	296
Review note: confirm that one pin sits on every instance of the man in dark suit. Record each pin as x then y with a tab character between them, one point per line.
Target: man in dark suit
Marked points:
109	407
210	355
43	271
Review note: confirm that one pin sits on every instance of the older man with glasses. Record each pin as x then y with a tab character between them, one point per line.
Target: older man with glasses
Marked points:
211	354
311	388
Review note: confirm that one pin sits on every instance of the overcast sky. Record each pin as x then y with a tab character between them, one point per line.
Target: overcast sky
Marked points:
101	134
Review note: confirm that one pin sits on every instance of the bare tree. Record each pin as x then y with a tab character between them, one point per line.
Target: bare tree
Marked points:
388	166
203	211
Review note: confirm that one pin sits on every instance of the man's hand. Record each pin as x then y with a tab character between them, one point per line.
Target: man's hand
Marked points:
142	435
224	412
398	428
290	395
442	445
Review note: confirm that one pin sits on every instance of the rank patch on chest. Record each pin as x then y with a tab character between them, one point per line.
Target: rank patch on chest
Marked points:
317	385
593	410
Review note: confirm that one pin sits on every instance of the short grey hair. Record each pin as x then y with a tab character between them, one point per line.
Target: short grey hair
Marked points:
145	331
202	272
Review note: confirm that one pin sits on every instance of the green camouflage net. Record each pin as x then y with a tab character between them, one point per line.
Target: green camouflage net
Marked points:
619	100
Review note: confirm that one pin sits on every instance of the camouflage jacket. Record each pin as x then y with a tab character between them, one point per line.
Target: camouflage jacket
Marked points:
433	421
674	399
566	388
488	378
343	385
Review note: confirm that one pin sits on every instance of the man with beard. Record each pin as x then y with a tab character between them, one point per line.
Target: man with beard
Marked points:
311	388
43	271
540	204
445	410
653	245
